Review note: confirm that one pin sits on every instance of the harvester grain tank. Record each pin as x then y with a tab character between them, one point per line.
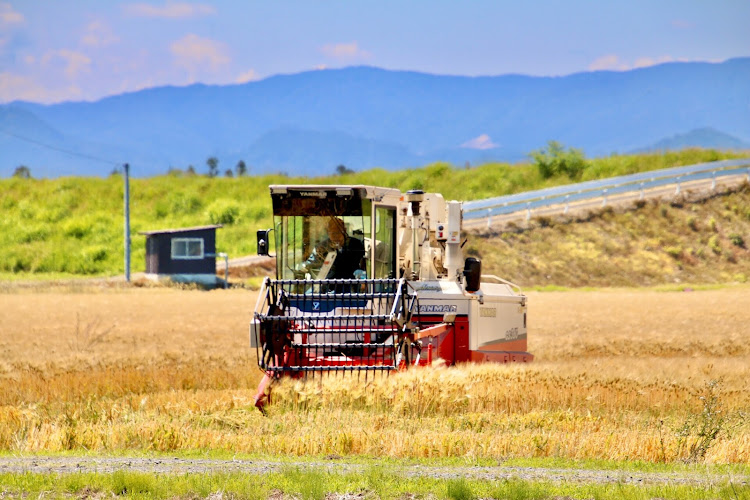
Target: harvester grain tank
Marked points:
369	279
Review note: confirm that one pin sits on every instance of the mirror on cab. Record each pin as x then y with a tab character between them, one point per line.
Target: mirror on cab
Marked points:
263	241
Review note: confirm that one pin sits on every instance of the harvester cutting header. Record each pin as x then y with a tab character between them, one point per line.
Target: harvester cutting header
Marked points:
370	279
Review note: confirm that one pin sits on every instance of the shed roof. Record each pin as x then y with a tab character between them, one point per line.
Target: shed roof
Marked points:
181	230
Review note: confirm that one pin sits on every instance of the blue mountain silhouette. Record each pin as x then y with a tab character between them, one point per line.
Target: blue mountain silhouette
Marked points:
309	123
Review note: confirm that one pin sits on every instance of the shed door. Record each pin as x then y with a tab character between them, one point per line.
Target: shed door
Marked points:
152	256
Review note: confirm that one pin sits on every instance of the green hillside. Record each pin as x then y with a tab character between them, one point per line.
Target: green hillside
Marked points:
74	226
668	243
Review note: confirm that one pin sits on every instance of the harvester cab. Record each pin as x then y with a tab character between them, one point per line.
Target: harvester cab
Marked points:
369	279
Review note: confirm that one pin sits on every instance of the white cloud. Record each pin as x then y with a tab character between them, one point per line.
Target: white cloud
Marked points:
75	62
345	51
14	86
8	19
170	10
99	34
483	141
645	62
247	76
9	16
611	62
195	53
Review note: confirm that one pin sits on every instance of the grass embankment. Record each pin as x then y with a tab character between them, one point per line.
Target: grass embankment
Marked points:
646	244
658	377
376	482
74	226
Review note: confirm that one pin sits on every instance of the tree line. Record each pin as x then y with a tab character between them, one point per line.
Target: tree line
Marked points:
212	162
240	170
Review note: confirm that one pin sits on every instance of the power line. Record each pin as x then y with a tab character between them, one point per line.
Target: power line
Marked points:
61	150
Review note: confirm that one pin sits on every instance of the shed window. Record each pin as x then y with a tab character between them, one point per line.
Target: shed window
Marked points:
187	248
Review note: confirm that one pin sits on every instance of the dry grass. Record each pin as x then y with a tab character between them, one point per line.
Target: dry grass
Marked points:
618	375
644	244
144	327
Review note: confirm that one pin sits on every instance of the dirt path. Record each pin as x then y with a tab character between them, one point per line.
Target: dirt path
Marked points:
72	465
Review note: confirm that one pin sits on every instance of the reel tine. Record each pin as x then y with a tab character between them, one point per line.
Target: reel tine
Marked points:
337	326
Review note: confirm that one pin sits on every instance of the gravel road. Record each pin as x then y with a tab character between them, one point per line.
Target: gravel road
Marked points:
70	465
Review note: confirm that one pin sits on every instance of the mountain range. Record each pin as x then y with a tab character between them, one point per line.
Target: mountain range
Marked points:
360	117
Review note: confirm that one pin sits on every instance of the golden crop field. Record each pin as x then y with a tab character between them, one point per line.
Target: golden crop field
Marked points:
618	375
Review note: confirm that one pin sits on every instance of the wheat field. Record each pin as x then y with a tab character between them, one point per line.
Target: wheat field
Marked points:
618	375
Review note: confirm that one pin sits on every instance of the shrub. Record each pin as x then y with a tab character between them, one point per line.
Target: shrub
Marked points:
77	228
223	211
90	260
14	260
54	214
473	251
554	160
161	210
184	203
416	183
257	213
9	203
714	245
96	253
438	170
674	252
130	483
27	210
459	489
700	431
737	240
33	233
545	221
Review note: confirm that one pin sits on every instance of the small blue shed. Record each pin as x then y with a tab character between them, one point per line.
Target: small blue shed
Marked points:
186	255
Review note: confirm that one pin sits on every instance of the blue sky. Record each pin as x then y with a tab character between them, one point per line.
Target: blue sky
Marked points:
52	50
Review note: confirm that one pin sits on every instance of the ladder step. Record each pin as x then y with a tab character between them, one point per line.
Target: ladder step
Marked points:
342	331
336	319
330	368
340	345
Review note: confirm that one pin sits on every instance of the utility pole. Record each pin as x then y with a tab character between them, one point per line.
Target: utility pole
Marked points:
126	169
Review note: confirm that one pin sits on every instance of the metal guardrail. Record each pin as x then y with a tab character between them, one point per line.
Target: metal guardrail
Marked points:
564	195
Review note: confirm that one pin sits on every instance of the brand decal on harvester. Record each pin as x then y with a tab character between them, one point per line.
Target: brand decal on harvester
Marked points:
427	287
442	308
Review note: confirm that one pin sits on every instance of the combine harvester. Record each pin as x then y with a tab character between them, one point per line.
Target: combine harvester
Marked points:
372	280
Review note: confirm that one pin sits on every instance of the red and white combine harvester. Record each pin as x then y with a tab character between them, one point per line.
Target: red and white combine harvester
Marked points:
371	279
